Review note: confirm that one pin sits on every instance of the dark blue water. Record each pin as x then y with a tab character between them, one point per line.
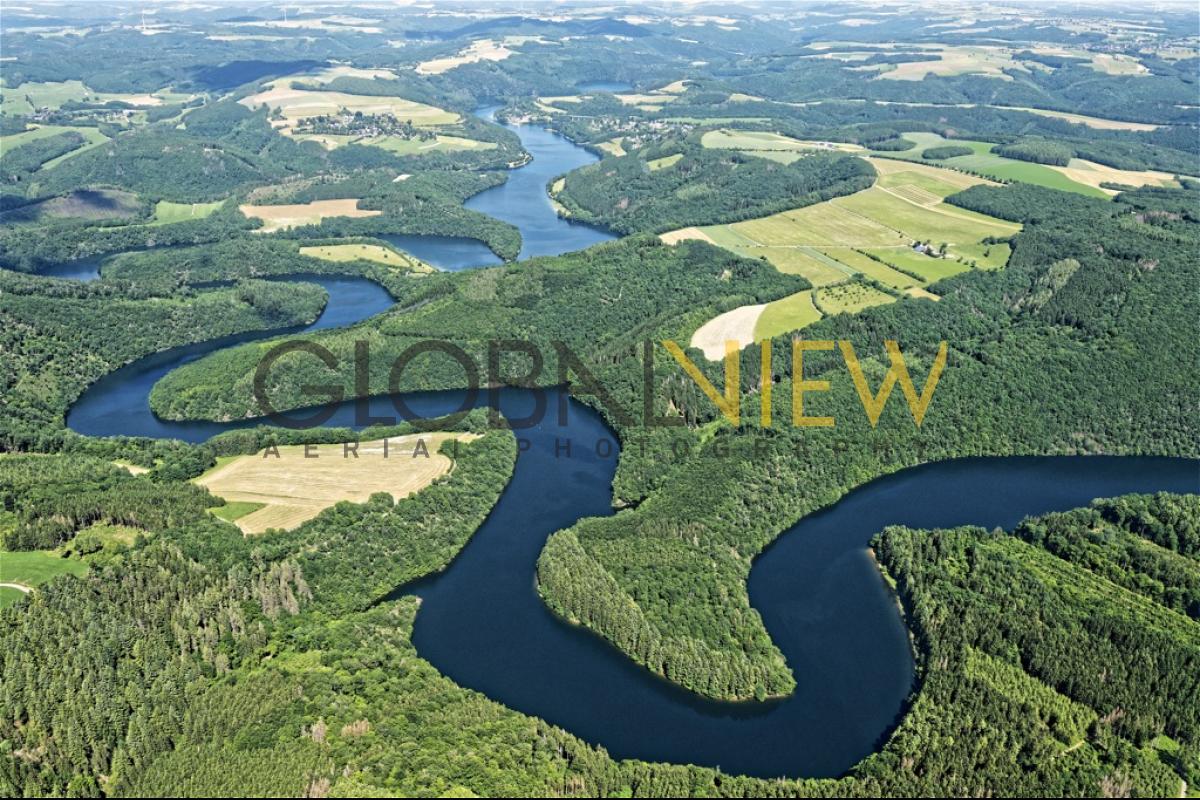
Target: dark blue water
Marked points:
822	599
451	253
523	199
119	403
86	270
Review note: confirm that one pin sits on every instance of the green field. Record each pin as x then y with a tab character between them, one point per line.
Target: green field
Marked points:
789	314
9	595
860	262
30	96
931	269
33	568
235	509
831	242
984	162
766	144
166	212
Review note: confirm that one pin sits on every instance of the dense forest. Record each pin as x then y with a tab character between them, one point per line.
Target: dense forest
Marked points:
233	686
58	336
165	653
1121	318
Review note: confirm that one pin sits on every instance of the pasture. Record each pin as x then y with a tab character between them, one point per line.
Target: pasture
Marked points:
277	218
774	146
861	262
789	314
92	138
291	489
23	571
33	95
929	268
664	162
166	212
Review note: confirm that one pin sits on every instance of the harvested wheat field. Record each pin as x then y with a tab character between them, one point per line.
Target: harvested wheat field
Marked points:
683	234
292	489
277	218
481	50
737	325
1089	173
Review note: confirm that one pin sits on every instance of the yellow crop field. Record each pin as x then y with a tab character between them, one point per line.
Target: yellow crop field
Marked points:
277	218
481	50
293	488
366	252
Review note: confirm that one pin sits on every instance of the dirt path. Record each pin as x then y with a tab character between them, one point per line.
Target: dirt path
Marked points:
20	587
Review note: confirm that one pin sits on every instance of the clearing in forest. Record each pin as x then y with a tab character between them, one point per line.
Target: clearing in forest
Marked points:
480	50
166	212
283	492
21	572
739	325
277	218
366	252
775	146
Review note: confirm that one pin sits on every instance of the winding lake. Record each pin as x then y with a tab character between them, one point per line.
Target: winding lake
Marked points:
825	605
523	201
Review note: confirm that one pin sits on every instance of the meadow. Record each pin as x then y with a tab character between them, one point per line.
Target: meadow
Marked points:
167	212
774	146
789	314
267	491
840	244
29	568
92	136
439	144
